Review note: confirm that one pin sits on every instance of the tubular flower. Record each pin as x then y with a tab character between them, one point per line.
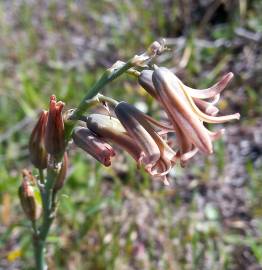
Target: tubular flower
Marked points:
187	111
156	155
145	80
54	136
93	145
142	146
38	154
111	130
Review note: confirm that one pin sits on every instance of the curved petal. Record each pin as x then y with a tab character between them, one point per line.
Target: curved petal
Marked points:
185	146
211	91
188	155
206	107
179	110
159	124
160	169
205	117
215	135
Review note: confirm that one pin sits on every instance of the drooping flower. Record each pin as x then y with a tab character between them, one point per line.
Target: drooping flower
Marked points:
208	107
156	155
182	104
54	135
133	131
37	151
93	145
111	130
183	112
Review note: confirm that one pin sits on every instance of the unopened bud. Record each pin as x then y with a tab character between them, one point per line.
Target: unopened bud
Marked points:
60	181
54	136
93	145
156	48
30	196
152	51
145	80
38	154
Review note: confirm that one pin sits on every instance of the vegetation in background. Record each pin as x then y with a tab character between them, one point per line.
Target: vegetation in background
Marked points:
116	218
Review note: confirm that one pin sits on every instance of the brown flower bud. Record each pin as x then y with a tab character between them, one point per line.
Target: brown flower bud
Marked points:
93	145
54	136
62	174
38	154
30	196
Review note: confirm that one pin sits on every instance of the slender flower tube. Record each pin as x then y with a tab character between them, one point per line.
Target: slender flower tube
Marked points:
111	130
156	155
30	198
54	136
37	151
185	115
93	145
142	148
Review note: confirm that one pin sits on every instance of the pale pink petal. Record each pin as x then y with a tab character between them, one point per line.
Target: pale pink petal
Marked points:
206	107
213	90
179	110
204	117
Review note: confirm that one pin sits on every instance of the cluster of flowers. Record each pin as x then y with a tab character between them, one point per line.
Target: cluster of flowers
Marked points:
147	140
144	138
156	146
46	145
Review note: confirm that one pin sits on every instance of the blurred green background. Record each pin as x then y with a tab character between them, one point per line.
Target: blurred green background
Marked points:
117	217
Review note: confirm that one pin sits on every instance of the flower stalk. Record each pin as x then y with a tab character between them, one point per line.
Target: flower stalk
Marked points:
48	145
140	135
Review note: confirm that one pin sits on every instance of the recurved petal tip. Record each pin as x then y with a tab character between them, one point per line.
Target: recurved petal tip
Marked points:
237	116
229	76
166	182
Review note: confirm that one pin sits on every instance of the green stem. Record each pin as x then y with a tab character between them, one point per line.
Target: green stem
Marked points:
41	176
38	248
108	76
39	255
48	195
48	216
